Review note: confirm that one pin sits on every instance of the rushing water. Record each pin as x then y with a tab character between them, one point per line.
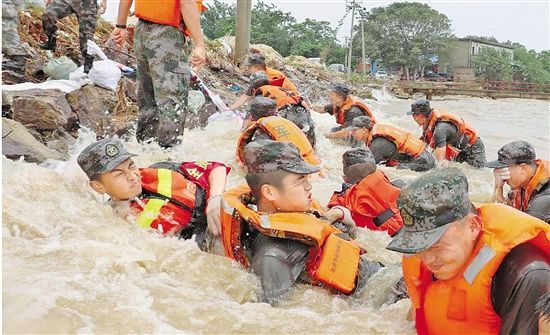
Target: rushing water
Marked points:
70	265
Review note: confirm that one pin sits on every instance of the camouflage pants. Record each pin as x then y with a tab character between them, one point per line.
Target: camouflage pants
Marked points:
163	82
11	45
86	12
473	155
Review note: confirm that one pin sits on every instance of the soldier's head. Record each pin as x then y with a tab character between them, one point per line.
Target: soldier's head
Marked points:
338	94
278	176
441	225
361	127
111	169
519	158
358	163
255	63
420	111
261	107
258	79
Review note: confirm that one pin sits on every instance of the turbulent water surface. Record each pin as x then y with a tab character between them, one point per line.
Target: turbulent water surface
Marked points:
70	265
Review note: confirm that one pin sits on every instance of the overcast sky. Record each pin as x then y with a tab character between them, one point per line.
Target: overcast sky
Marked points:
526	22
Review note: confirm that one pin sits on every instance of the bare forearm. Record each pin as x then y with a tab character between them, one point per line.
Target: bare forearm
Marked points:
440	153
191	17
123	11
217	180
344	133
240	101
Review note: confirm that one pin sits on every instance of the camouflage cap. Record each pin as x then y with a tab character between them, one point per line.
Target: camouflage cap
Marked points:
102	156
427	206
357	156
515	152
261	107
361	122
420	106
341	89
267	156
258	79
255	59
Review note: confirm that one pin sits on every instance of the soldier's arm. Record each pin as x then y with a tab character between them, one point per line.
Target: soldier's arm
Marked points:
443	133
118	34
243	99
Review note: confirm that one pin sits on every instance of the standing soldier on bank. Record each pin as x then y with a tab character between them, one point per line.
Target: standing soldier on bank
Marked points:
162	63
86	11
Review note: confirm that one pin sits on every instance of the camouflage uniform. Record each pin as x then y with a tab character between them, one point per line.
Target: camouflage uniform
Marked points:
163	82
518	152
102	156
11	45
279	263
86	12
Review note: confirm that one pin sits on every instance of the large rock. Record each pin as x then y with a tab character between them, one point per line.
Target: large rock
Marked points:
41	109
17	142
93	106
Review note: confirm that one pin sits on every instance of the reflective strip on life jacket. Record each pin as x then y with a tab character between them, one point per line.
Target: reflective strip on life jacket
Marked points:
153	206
463	303
281	130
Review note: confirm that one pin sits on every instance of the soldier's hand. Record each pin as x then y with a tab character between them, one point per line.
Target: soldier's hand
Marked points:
501	176
119	36
102	7
198	58
213	215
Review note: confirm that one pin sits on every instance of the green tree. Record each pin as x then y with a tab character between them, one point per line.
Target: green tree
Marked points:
273	27
311	38
404	34
530	66
493	64
219	20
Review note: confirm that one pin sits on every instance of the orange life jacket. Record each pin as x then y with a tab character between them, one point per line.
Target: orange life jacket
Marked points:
168	201
351	101
332	261
463	129
372	203
282	97
522	197
462	305
281	130
166	12
277	78
405	142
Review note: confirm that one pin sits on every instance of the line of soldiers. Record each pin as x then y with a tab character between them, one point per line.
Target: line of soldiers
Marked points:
467	268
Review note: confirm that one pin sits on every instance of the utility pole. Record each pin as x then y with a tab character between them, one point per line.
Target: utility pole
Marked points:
352	5
242	34
363	58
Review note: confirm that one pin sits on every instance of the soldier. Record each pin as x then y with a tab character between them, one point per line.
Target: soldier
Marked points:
180	199
470	270
391	145
345	107
451	137
272	226
368	193
86	11
528	177
11	45
289	104
160	46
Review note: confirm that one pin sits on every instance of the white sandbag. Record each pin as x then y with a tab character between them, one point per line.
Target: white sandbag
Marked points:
66	86
93	49
59	68
106	74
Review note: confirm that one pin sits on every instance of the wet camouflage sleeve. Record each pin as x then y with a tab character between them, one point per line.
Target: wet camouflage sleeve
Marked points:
444	133
352	113
198	172
382	149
